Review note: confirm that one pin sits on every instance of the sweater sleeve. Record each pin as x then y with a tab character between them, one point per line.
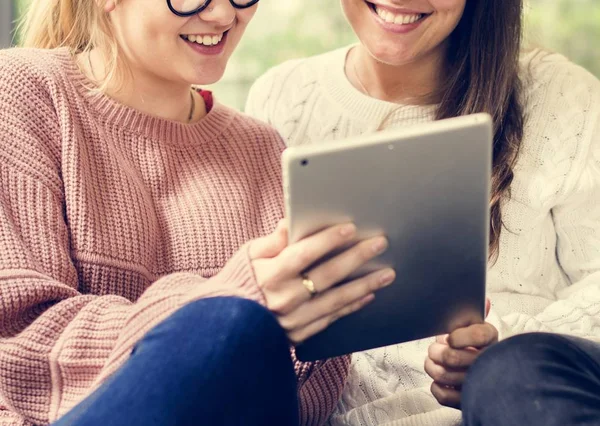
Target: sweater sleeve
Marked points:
56	343
576	217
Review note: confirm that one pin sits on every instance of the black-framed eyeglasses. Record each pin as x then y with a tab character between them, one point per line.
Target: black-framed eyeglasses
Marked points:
193	7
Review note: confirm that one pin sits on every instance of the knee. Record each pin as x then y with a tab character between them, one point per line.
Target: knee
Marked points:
244	321
500	369
233	331
230	320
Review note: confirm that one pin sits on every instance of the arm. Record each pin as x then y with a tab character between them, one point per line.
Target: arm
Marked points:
56	343
576	217
574	100
576	310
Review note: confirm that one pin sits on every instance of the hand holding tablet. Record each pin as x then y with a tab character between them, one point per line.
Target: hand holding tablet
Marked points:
426	188
285	273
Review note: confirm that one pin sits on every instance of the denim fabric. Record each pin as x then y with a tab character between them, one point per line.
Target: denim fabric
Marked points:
217	361
534	379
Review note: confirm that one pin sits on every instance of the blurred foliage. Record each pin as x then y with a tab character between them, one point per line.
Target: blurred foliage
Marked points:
571	27
286	29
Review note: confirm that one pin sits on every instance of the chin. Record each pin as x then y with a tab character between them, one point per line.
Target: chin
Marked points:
208	77
390	54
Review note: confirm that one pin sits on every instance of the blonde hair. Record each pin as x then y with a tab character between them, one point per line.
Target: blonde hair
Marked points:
80	25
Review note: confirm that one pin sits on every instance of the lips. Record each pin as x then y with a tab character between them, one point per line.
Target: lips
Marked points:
204	39
197	42
394	16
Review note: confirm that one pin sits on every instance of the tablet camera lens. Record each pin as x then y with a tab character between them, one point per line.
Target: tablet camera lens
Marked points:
304	162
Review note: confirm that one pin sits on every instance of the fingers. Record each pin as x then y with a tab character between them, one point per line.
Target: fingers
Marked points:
299	335
442	339
332	302
341	266
444	376
488	306
476	335
452	358
279	276
447	396
270	245
302	254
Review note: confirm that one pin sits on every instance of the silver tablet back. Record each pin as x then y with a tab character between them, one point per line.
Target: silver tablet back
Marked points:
427	188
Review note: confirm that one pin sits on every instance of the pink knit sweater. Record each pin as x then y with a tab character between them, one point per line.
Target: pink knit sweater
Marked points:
110	220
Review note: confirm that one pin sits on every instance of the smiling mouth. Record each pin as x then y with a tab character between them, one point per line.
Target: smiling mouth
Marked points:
204	40
396	18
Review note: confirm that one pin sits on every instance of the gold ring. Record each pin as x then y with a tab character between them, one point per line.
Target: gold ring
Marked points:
309	285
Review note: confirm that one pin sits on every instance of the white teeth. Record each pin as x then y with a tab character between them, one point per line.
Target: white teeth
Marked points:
206	40
398	19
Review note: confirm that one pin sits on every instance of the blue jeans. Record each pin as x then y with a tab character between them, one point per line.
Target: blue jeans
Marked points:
534	379
217	361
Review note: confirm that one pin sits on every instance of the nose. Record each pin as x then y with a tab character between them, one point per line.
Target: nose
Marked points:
219	12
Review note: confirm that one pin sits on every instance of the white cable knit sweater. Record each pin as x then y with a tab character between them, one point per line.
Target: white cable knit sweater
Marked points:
547	277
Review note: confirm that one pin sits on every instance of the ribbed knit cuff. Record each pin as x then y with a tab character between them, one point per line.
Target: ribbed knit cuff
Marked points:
238	273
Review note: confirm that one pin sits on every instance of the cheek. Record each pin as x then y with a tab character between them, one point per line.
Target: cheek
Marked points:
450	10
448	4
147	30
357	15
448	14
243	18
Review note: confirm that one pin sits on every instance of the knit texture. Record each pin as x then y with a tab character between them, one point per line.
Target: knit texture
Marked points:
110	220
547	277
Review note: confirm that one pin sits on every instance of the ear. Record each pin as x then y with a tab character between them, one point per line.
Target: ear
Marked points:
108	5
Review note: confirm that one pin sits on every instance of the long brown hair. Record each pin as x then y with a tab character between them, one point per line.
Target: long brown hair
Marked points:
483	70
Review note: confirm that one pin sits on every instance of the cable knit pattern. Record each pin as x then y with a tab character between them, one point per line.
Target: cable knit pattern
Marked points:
110	220
547	277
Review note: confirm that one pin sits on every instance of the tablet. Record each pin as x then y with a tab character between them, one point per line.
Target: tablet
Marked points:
427	188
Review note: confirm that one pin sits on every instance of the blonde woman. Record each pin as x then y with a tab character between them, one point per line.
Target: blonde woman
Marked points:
128	294
423	60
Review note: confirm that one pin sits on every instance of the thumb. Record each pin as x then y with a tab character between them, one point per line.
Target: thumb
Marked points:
270	245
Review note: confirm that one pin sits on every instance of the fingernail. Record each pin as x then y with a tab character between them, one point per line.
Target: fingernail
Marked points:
380	245
348	230
387	277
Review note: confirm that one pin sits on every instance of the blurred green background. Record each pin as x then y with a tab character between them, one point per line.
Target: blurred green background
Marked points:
285	29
